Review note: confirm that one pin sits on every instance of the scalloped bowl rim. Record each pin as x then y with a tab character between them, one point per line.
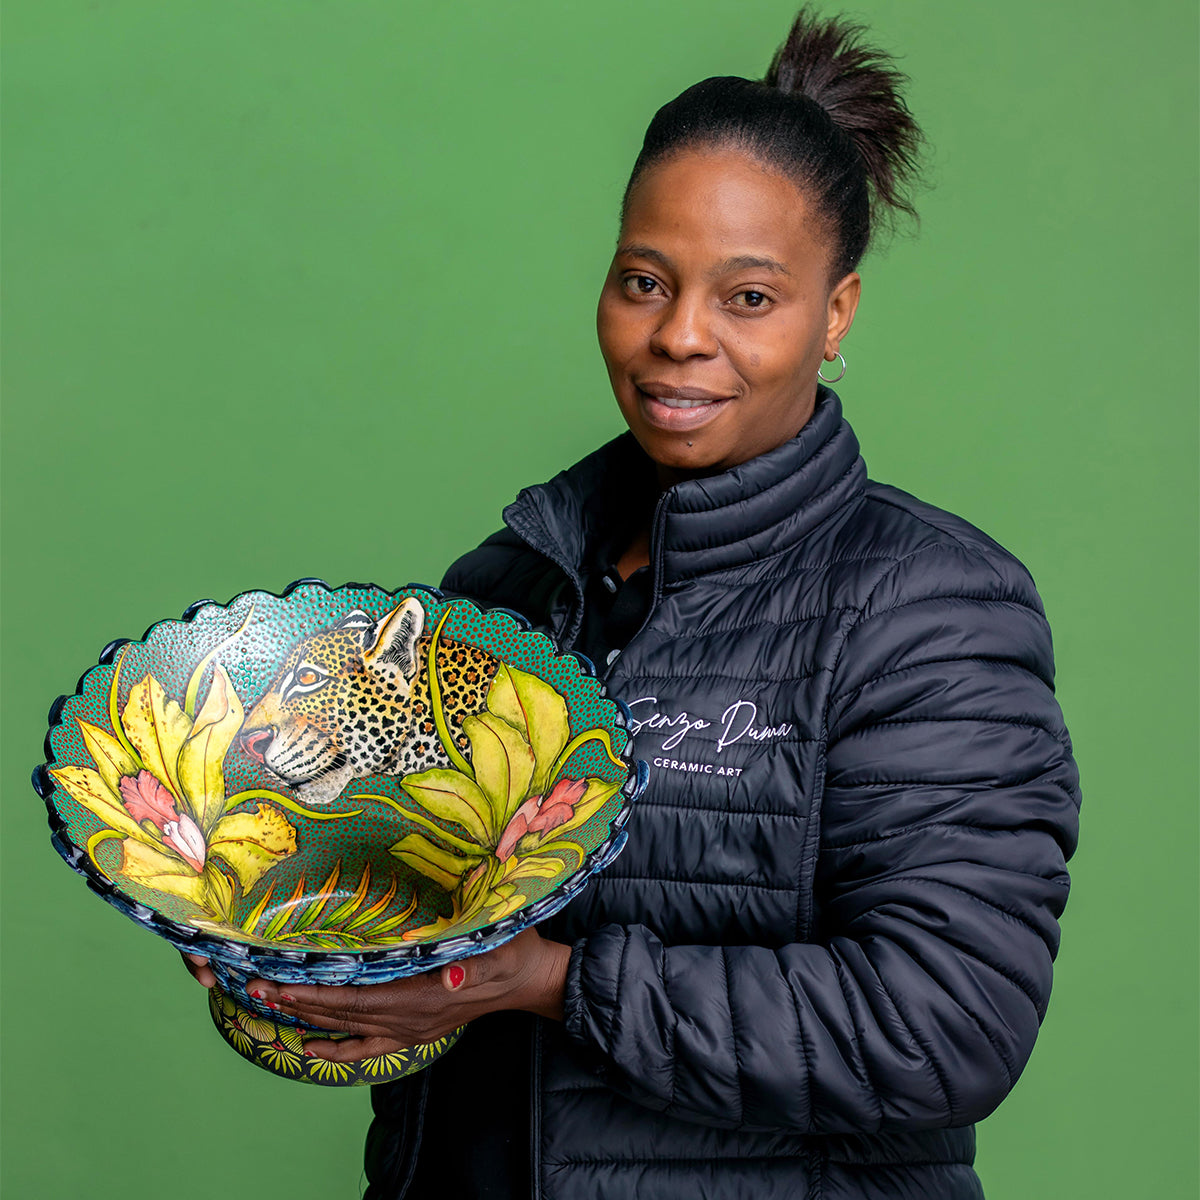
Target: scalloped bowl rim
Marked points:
381	964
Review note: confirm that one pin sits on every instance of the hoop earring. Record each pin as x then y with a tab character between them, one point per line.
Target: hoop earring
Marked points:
836	378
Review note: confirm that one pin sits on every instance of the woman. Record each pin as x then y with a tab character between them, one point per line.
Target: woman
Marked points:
827	947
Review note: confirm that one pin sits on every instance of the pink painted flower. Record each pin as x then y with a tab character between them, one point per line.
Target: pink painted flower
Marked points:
148	799
517	828
541	814
558	807
185	838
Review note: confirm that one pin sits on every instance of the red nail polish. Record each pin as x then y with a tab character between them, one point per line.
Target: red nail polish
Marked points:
272	1006
308	1053
456	975
257	994
286	998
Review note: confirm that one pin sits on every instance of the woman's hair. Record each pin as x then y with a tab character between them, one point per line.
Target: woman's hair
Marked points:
828	114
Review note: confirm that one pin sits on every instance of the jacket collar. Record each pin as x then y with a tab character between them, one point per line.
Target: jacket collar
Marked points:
760	508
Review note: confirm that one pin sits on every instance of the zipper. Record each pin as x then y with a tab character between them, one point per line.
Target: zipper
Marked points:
412	1128
535	1110
657	524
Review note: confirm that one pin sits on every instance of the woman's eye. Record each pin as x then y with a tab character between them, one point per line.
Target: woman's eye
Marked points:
642	285
752	299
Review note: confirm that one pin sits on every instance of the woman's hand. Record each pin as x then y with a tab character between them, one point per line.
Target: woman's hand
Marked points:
199	969
527	973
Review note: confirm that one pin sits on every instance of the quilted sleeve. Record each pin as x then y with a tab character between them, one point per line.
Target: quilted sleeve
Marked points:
949	812
503	571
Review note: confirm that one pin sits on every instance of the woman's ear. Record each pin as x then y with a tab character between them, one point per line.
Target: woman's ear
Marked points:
843	304
395	637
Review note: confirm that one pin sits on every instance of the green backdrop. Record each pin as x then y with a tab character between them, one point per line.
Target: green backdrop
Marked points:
299	288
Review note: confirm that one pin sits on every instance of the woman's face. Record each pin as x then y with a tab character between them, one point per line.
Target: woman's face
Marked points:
718	311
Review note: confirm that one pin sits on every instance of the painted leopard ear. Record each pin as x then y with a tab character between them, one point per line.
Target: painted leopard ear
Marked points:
357	619
395	639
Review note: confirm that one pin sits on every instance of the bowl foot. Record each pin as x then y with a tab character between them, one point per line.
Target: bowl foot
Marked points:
278	1047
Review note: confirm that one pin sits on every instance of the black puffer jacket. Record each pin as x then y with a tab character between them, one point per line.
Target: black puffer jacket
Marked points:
827	947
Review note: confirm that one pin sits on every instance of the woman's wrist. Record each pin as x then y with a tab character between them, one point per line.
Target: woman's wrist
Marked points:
545	989
527	974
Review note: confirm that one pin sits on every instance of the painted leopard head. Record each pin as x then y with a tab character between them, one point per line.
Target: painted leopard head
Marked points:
339	706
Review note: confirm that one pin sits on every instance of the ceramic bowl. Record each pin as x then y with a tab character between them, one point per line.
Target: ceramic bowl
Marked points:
340	786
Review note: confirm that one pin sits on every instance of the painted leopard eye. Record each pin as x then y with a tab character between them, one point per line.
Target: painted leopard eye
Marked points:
307	677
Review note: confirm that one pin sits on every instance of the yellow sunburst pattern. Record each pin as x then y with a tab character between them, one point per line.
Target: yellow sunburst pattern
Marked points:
280	1059
279	1048
426	1052
385	1066
322	1071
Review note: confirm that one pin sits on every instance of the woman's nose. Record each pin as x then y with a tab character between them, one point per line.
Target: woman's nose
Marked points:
684	330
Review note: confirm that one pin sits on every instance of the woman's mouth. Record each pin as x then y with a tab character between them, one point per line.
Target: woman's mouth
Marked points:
678	409
679	402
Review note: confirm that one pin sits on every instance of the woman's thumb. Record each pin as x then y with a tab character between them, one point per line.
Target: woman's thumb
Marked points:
454	976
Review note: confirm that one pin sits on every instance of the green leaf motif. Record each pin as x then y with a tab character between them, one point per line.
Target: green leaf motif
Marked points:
352	903
218	895
565	845
447	870
453	796
193	687
538	712
503	761
376	909
324	895
445	736
538	866
283	913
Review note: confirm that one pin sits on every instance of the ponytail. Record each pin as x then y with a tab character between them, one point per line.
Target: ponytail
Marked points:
828	114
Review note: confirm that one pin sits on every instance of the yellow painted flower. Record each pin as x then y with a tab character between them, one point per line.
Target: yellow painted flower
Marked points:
159	787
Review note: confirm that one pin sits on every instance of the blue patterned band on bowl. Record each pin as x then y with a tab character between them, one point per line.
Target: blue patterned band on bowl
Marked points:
338	785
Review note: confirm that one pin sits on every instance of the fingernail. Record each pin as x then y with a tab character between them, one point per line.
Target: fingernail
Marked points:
286	998
272	1005
256	993
456	975
307	1052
